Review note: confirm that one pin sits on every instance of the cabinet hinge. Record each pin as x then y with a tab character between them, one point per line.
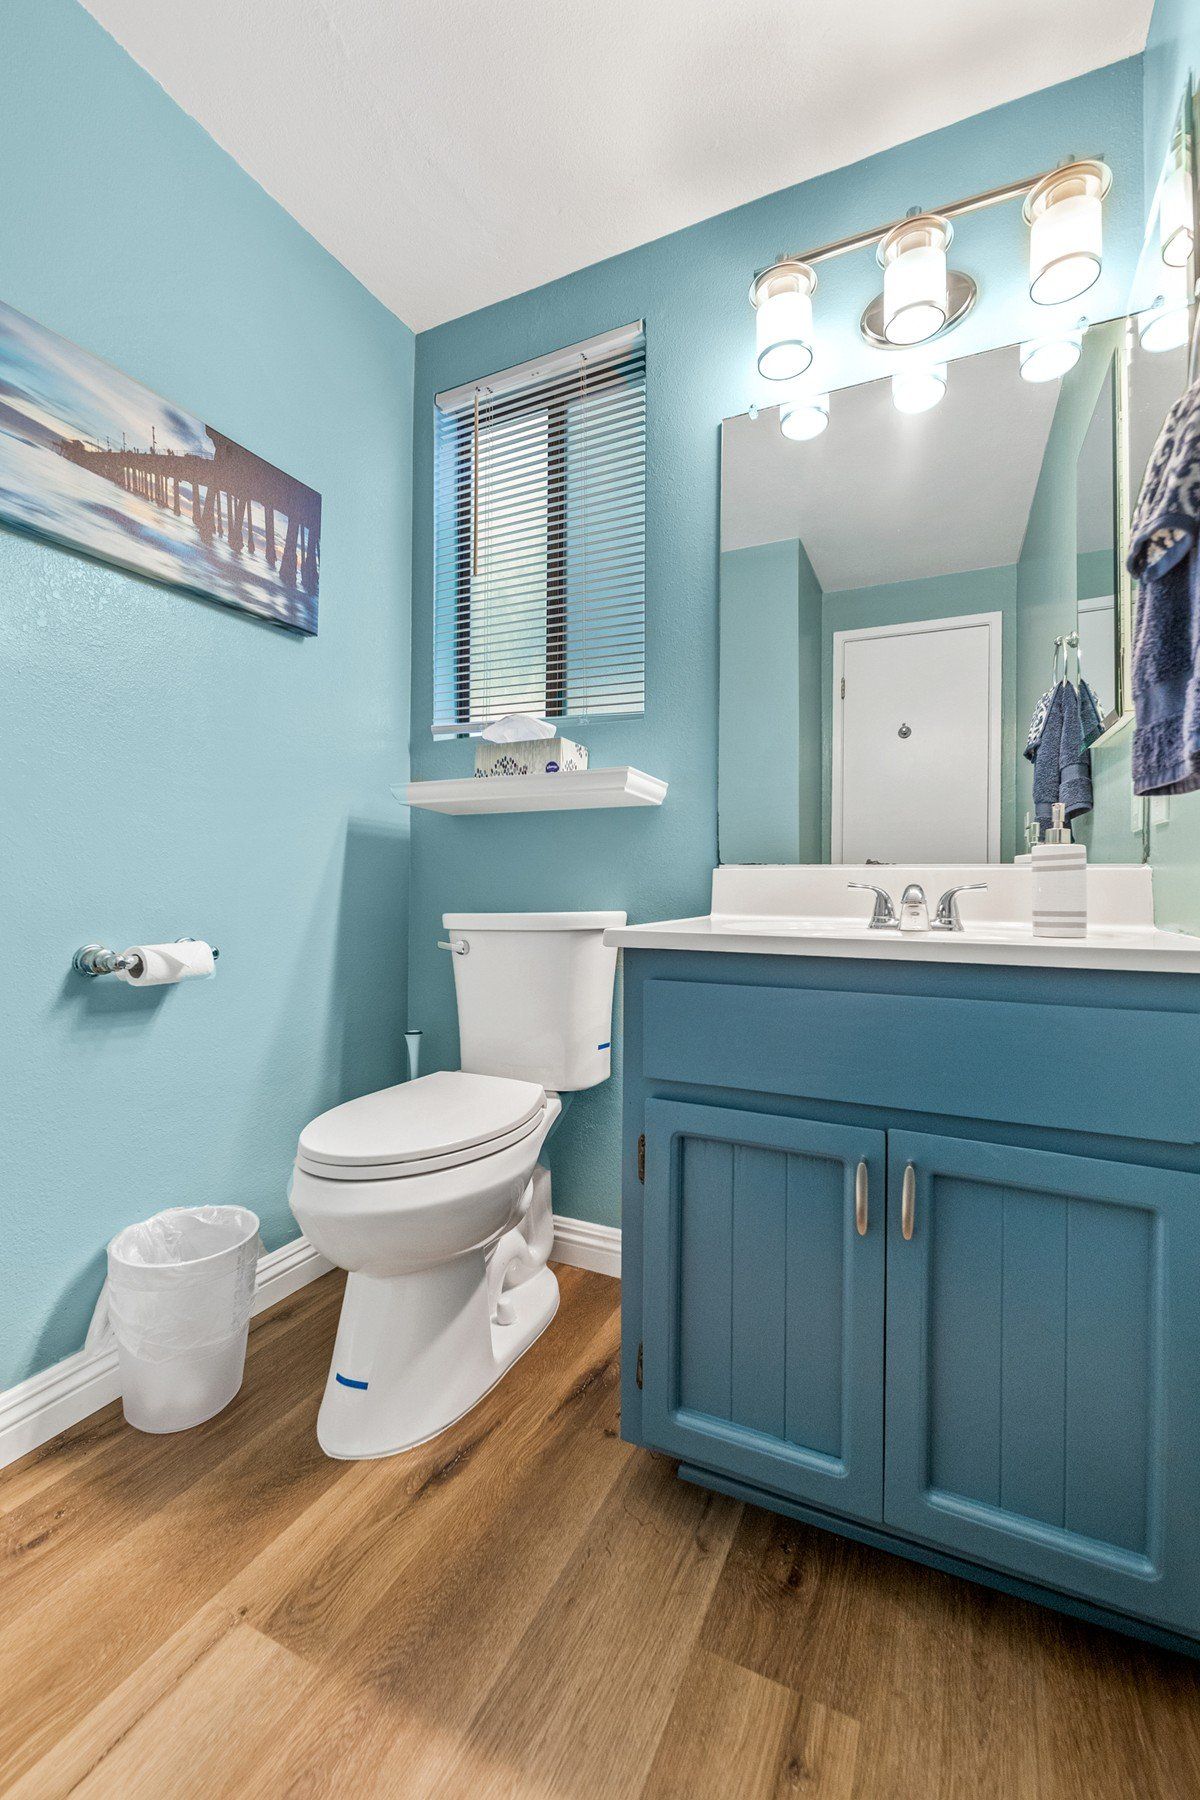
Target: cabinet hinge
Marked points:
637	1374
642	1157
843	687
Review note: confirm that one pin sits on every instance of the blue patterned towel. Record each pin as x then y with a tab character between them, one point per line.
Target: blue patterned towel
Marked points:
1165	559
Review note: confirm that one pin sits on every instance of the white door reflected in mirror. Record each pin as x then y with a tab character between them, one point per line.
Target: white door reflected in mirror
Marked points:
917	741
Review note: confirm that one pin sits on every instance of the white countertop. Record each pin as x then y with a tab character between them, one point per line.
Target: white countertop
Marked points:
1113	947
809	910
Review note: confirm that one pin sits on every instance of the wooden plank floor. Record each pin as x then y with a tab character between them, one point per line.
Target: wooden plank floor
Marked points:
527	1607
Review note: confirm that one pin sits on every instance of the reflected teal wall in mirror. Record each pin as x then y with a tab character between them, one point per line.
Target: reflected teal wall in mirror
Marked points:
769	593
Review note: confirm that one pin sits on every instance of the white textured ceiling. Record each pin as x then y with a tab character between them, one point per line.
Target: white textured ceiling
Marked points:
453	154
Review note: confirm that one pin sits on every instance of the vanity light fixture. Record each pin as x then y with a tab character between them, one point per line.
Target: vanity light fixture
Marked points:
916	290
804	416
918	389
1065	215
1048	358
782	300
922	296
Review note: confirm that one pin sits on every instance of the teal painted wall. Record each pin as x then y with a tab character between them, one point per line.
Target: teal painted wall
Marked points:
769	777
172	766
1171	65
936	597
1093	573
691	290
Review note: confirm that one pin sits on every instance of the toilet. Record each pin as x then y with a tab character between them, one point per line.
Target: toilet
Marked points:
430	1193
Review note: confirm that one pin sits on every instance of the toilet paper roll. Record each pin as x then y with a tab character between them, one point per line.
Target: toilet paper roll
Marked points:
160	964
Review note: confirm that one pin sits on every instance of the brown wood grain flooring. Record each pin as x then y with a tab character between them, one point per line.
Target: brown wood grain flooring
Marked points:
525	1607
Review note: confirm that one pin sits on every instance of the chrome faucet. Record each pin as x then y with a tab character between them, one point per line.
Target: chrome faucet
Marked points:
947	908
883	914
914	908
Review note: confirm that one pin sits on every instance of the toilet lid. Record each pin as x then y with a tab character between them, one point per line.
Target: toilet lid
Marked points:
435	1116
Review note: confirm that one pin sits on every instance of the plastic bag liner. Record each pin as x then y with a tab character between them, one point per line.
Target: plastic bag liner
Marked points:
182	1281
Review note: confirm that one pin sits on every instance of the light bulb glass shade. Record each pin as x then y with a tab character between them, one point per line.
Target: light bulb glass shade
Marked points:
1048	358
1163	326
783	321
1065	214
1176	221
804	417
1166	324
917	390
916	300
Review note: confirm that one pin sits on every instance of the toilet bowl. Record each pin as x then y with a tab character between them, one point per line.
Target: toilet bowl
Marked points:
429	1193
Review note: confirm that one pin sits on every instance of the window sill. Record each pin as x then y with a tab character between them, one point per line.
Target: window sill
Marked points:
590	788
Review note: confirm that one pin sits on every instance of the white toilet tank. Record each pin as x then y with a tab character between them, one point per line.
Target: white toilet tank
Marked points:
535	995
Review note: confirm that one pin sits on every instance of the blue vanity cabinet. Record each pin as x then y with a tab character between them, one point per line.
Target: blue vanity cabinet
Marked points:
1002	1377
1043	1330
763	1241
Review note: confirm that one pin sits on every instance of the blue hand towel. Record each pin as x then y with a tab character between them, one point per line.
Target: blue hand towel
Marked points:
1074	761
1089	713
1062	769
1165	558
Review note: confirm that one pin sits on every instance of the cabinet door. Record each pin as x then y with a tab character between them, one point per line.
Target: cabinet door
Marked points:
1043	1369
763	1301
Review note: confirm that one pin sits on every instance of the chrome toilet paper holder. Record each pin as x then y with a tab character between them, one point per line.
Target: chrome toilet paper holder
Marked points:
97	959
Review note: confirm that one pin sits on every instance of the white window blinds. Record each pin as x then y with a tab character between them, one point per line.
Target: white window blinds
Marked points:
539	527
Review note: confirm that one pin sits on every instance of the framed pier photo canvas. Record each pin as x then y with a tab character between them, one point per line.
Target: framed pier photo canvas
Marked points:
95	460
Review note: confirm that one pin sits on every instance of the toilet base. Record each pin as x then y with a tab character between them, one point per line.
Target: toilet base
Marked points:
414	1353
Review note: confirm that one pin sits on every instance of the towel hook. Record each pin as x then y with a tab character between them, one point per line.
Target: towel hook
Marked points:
1066	643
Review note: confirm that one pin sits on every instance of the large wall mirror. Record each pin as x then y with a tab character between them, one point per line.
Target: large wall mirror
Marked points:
898	593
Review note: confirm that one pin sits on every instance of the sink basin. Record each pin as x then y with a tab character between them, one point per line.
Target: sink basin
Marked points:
766	925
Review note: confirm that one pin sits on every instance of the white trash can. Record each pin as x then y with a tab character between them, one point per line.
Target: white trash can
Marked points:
179	1291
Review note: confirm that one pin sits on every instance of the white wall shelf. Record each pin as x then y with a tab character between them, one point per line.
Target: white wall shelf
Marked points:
535	793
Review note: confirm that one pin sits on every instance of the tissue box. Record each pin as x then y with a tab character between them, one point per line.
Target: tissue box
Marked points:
532	756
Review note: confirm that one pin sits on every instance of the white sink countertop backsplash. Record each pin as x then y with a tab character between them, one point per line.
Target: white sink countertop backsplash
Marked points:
808	909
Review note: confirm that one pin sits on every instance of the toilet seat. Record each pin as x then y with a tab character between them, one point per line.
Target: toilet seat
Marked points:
439	1121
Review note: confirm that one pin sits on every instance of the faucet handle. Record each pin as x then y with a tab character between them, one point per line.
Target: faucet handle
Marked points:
883	914
948	918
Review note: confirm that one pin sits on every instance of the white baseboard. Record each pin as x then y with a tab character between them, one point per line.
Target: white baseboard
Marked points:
58	1397
588	1246
38	1409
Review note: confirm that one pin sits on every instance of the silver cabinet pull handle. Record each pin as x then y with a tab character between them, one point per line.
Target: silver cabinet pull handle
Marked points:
861	1179
908	1202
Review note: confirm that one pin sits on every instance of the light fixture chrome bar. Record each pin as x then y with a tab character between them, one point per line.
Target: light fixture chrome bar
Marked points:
859	240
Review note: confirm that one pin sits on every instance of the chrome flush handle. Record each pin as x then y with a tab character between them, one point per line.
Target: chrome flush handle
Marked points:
458	947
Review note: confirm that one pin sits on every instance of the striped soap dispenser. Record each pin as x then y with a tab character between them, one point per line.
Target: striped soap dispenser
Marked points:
1059	881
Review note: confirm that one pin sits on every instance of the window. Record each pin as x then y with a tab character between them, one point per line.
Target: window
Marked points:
539	527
